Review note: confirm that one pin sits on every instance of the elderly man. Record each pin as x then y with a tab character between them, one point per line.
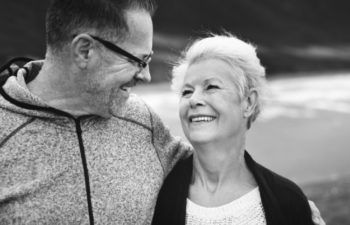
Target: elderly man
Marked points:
75	146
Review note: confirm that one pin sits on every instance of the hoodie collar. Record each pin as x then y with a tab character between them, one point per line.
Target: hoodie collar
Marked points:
18	98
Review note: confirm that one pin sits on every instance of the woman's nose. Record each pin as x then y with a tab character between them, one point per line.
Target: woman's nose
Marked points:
196	99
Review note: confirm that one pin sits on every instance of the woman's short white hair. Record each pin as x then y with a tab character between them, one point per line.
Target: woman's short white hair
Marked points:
241	56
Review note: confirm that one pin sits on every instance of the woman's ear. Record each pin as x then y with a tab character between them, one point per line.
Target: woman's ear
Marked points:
250	102
82	49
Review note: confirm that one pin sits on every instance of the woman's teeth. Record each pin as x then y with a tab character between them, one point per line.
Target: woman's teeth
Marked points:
202	119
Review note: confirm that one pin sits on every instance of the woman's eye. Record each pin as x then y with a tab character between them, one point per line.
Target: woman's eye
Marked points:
211	86
186	92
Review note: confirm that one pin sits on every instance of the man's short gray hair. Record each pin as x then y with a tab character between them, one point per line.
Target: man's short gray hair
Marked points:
67	18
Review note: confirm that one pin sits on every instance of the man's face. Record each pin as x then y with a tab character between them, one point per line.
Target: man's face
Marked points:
111	84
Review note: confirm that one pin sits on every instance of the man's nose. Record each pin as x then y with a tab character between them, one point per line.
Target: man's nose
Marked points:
144	75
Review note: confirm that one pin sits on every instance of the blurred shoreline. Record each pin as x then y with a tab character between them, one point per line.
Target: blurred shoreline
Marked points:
302	133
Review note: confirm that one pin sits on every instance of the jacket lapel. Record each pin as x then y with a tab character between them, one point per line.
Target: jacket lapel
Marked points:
183	182
171	203
273	213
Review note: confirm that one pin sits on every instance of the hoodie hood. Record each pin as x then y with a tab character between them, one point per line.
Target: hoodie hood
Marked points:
16	88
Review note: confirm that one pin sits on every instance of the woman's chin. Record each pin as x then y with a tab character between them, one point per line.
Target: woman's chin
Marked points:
200	137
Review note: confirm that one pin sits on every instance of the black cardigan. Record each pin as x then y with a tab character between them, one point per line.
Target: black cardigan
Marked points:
283	201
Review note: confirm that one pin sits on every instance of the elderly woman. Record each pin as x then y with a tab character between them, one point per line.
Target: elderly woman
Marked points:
220	81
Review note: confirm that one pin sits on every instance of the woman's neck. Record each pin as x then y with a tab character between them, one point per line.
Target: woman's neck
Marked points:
220	174
217	165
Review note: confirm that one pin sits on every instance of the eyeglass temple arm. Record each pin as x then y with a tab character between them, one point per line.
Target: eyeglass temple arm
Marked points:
119	50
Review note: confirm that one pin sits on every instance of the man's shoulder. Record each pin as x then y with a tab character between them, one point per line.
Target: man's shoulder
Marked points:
135	110
8	112
135	103
9	120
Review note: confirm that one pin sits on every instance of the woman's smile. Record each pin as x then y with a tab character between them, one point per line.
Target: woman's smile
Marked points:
201	118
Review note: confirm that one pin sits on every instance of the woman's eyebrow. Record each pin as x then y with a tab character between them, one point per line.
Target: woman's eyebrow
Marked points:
187	85
209	80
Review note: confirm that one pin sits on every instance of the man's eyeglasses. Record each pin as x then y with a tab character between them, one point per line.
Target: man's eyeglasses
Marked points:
142	63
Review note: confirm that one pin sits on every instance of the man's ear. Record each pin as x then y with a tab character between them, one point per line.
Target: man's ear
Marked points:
82	49
250	102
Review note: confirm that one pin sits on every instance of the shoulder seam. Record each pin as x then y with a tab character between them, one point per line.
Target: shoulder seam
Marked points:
135	122
152	132
16	131
151	121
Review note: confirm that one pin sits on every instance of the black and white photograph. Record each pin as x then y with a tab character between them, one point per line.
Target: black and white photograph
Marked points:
175	112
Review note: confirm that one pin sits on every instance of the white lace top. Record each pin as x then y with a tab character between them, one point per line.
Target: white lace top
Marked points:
246	210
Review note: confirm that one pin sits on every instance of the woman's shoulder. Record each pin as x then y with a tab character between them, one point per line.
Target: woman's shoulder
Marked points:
279	190
273	180
280	184
171	201
291	199
181	172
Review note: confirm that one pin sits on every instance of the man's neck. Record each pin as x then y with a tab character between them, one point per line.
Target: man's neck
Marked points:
54	86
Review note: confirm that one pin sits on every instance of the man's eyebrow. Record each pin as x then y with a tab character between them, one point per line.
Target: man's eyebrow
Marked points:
147	55
143	56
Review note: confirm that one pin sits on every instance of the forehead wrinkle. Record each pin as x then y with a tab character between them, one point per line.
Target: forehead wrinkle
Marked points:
187	85
208	80
140	25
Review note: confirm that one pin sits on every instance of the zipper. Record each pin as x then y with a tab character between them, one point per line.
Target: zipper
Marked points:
86	171
79	134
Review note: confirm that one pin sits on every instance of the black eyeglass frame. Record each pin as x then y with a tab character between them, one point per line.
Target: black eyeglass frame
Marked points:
141	62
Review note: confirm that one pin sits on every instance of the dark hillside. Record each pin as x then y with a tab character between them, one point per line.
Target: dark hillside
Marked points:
292	35
265	21
22	28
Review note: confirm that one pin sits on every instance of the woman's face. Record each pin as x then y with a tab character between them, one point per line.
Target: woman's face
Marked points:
210	109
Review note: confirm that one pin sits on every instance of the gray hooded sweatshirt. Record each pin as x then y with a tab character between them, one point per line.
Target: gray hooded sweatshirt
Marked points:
57	169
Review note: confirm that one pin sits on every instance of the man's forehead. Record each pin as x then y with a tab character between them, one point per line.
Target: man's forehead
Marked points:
140	31
139	22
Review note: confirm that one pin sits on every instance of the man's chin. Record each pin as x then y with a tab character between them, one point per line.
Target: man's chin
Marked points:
117	106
